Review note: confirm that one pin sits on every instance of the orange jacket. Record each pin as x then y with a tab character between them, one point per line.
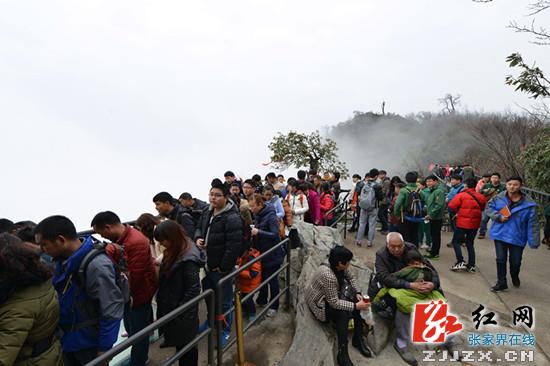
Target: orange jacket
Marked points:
250	278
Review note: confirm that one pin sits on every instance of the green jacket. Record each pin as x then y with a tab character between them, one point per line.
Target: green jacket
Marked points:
402	198
27	317
489	190
435	204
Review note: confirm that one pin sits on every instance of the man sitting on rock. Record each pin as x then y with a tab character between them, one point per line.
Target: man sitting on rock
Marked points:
333	295
389	261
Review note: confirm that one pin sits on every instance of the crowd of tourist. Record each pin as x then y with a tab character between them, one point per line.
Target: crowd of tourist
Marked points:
64	295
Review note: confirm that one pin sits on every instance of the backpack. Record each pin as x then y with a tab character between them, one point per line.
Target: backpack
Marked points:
119	260
413	204
368	200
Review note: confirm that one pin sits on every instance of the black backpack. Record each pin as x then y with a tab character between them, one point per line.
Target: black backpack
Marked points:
414	206
119	261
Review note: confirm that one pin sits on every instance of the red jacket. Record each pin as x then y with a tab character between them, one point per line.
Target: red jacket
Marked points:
327	204
250	278
141	267
468	210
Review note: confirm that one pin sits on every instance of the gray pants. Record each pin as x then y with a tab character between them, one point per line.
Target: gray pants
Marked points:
367	218
403	330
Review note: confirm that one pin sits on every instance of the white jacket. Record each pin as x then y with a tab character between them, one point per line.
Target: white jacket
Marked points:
298	204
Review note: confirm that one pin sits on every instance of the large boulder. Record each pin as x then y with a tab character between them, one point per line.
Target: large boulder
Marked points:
316	244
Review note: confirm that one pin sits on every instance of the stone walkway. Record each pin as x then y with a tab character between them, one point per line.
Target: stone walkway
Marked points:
465	291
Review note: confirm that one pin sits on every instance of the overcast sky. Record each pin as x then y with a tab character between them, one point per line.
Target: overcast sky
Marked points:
105	103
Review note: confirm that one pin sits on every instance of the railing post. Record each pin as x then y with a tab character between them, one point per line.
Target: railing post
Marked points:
345	217
239	329
288	256
219	323
211	324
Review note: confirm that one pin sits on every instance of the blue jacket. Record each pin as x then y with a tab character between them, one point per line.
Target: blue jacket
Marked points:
268	236
276	203
454	191
523	225
90	313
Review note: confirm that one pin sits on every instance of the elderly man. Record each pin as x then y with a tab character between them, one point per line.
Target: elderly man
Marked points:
390	260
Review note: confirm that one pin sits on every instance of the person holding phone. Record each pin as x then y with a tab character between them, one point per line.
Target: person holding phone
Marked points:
334	296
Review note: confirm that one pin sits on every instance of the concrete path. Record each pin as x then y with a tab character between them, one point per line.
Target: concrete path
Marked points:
465	291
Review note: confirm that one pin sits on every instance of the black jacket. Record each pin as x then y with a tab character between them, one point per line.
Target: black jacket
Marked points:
386	265
268	236
182	215
223	236
177	287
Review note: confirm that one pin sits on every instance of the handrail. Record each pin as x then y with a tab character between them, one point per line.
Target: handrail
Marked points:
145	332
91	231
530	190
220	314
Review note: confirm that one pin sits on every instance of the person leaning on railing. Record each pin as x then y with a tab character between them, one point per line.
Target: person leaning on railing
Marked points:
265	235
179	283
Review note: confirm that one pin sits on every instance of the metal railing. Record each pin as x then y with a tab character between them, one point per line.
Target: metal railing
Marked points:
343	209
229	280
147	331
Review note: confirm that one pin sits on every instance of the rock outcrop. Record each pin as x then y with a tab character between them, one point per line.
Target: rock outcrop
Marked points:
314	343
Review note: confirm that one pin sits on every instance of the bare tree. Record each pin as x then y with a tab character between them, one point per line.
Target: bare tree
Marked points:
540	34
504	137
450	102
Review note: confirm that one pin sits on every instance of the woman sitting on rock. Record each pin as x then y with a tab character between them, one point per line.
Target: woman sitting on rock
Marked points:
334	295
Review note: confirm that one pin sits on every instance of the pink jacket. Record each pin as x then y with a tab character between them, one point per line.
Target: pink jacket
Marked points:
314	207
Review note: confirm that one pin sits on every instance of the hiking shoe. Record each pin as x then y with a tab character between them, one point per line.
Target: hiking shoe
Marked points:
271	313
499	288
481	236
459	266
406	355
424	246
369	244
432	256
358	243
471	269
516	282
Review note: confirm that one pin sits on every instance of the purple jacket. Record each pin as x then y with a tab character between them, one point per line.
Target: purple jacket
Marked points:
314	207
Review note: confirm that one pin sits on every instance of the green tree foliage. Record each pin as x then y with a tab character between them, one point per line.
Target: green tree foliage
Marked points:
302	150
536	160
531	80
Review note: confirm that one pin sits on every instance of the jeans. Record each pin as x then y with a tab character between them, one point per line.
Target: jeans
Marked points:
435	231
484	221
209	282
383	217
79	358
135	319
272	286
452	220
458	237
248	306
409	230
367	218
502	250
191	358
